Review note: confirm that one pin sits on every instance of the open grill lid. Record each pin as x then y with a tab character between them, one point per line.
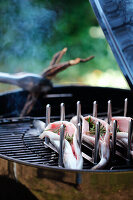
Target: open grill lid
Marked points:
116	19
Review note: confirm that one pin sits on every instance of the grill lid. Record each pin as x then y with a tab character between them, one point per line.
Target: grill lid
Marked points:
116	20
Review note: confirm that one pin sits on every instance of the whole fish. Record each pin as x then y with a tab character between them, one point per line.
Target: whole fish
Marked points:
88	135
72	157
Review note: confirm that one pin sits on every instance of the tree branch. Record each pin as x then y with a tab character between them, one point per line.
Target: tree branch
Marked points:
54	69
57	57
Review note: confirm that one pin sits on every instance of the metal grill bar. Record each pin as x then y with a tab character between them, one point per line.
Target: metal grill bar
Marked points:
16	144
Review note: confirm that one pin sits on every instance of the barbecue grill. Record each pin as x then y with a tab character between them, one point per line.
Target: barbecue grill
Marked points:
31	168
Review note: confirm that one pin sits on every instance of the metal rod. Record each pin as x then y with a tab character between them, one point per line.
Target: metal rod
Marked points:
130	130
62	112
78	180
109	114
125	107
48	113
114	139
62	130
78	111
79	135
96	149
94	109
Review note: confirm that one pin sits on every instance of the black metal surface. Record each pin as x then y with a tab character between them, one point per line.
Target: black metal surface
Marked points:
13	102
18	146
116	20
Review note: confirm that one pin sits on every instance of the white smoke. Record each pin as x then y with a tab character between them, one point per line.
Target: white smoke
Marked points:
25	29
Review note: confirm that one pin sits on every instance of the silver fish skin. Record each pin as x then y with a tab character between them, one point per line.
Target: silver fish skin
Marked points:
39	125
38	128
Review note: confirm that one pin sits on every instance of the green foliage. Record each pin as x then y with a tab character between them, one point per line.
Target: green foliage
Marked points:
32	31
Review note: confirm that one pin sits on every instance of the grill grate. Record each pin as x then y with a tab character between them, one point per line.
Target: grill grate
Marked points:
16	144
19	146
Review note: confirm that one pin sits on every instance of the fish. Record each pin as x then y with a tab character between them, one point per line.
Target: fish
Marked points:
122	123
122	130
72	156
38	128
88	135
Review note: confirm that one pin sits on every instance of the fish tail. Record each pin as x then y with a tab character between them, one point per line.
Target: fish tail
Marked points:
101	164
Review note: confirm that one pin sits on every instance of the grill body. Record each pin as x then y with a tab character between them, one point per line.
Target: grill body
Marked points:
49	184
21	164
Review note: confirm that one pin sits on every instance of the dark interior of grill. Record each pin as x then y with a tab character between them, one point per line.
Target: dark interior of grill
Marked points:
19	146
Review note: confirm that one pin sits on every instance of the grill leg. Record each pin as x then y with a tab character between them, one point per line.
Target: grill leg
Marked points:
11	170
78	181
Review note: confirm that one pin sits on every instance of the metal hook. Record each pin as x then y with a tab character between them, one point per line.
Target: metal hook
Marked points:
78	111
62	112
79	135
130	130
125	107
97	137
94	109
62	130
109	114
114	139
48	113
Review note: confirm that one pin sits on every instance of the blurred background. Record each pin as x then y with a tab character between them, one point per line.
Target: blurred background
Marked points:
32	31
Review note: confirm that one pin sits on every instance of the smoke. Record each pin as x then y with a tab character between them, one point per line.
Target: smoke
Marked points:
25	30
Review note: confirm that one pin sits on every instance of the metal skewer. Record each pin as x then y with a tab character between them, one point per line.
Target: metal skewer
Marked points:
114	139
79	123
97	137
78	111
109	114
48	113
79	135
125	107
94	109
79	127
130	130
62	130
62	112
78	175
